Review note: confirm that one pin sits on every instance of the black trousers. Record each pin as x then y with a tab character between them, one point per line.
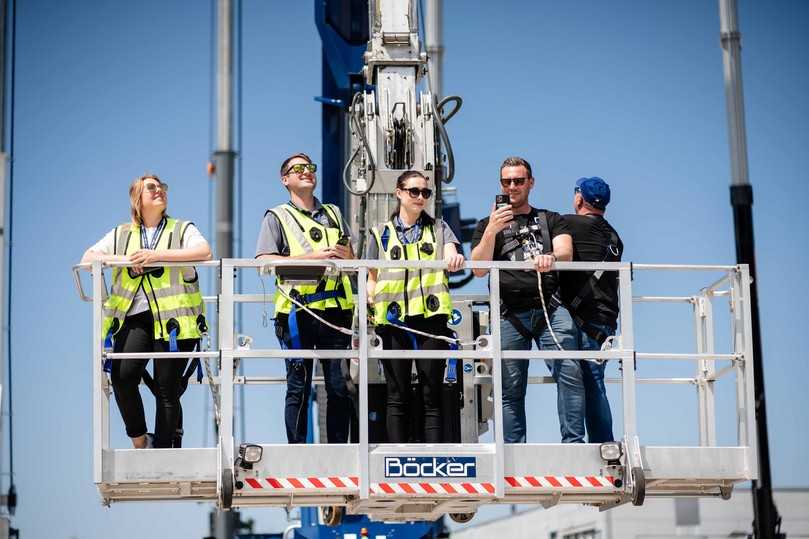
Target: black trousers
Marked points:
339	406
137	335
398	371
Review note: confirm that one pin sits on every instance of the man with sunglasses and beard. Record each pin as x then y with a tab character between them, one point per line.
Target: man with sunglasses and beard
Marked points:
305	229
521	308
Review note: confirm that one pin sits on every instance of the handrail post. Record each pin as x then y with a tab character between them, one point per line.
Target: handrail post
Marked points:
362	316
628	385
747	365
225	333
101	405
706	401
737	331
497	382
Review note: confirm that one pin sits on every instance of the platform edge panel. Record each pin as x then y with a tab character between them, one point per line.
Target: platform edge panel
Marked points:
695	463
159	466
432	470
287	463
555	460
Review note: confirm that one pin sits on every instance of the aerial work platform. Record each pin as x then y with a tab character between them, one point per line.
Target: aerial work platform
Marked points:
401	482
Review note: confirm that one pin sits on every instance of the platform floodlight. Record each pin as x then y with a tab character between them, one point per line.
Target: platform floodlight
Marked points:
249	454
611	451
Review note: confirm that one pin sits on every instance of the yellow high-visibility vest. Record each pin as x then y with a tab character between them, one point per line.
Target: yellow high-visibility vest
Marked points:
410	292
305	235
175	302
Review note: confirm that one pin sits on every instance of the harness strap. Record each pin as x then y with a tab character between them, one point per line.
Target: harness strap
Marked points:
518	325
544	228
391	316
509	246
173	340
306	299
511	242
296	361
148	381
292	323
526	333
194	366
107	367
452	363
595	334
589	287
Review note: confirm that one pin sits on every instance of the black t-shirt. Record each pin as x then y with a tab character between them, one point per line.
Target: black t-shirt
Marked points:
518	288
592	239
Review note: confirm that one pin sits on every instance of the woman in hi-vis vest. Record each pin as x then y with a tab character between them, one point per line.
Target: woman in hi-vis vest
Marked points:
412	298
151	308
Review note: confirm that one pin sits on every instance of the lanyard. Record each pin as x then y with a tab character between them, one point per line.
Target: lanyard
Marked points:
155	237
409	234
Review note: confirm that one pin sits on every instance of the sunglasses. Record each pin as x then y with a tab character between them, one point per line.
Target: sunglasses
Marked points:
519	182
414	192
301	167
153	187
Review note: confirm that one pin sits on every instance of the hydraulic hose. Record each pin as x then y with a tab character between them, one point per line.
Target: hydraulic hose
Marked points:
358	128
440	107
442	132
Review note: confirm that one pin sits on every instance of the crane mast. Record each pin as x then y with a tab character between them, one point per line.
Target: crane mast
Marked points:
392	122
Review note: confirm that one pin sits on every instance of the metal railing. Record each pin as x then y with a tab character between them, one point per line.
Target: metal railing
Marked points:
736	278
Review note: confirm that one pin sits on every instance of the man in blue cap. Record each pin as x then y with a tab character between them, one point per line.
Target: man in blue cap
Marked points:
592	300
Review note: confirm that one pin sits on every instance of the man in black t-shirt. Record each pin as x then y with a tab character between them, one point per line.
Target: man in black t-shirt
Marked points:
495	238
592	300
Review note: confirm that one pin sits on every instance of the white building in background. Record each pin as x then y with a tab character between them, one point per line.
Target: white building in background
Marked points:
658	518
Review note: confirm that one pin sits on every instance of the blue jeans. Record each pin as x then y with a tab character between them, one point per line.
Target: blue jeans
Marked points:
515	371
339	407
581	395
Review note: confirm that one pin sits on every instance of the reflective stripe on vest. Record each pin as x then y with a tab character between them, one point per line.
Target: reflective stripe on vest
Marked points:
416	292
305	235
173	293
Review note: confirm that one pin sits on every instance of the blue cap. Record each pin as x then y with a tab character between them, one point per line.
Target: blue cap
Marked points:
594	191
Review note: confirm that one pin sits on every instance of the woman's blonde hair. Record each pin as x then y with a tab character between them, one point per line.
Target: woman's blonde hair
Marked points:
135	194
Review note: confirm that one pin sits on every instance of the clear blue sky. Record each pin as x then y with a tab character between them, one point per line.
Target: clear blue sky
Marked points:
628	90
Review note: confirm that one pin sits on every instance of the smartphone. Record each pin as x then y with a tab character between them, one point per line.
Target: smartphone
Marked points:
343	240
501	200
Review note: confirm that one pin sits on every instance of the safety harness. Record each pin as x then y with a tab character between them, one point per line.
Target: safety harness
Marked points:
178	286
310	297
510	244
612	253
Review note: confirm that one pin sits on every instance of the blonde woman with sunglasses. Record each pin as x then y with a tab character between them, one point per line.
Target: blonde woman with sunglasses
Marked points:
151	308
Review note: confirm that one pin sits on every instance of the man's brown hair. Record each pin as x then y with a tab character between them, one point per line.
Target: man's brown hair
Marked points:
517	162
